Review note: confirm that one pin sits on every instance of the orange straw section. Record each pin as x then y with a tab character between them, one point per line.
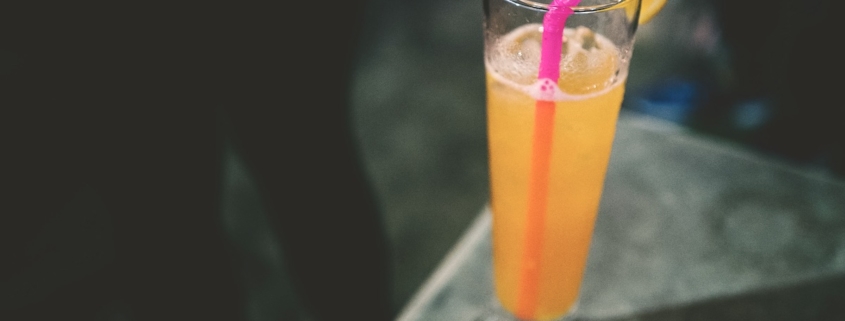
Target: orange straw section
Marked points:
537	195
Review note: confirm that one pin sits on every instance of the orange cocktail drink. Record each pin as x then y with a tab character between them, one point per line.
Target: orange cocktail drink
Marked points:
549	146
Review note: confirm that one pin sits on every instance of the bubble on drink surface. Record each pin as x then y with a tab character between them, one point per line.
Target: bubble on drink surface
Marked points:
517	55
589	64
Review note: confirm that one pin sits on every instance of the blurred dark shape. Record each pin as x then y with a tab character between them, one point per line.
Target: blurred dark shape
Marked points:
129	105
673	99
784	92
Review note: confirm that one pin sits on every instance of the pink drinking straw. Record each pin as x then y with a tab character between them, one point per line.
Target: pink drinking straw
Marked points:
553	24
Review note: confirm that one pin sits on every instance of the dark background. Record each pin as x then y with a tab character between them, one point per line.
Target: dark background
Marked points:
756	74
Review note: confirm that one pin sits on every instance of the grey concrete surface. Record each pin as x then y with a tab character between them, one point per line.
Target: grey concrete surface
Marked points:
689	229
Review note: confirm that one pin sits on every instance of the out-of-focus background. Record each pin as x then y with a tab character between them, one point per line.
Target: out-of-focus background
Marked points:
717	67
754	74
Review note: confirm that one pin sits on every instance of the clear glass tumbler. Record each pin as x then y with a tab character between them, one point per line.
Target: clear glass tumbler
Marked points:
549	143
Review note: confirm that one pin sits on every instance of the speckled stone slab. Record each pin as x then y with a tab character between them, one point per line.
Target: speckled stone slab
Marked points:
690	228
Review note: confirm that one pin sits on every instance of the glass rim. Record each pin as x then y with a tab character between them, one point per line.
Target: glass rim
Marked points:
577	9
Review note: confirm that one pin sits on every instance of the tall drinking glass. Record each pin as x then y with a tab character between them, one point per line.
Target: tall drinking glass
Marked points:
549	143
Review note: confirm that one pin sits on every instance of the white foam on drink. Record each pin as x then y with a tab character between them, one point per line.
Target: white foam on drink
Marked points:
514	61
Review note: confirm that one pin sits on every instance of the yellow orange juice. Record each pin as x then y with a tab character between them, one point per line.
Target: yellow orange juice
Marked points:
583	114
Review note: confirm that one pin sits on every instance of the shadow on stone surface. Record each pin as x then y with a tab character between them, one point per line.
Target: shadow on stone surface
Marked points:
822	299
